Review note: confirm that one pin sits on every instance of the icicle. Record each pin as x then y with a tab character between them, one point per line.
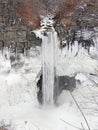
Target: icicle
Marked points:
3	44
16	49
48	68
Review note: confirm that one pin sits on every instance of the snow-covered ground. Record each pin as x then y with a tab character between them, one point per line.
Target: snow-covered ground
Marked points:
18	94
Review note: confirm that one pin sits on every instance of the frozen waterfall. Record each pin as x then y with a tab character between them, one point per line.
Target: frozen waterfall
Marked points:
48	67
49	48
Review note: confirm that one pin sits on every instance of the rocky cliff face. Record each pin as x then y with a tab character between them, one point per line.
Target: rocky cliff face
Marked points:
31	11
14	33
18	18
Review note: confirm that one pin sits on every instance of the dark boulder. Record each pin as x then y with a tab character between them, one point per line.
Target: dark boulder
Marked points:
61	83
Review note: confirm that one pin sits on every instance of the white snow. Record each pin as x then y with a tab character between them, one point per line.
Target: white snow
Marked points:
18	98
76	61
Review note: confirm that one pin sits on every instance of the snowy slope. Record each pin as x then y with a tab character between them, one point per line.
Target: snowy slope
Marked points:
18	103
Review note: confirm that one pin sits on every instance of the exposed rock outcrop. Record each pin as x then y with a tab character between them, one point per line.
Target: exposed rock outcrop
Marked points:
30	11
61	83
17	18
14	33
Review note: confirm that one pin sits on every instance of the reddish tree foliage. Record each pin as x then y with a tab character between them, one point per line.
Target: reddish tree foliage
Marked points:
27	10
67	23
30	10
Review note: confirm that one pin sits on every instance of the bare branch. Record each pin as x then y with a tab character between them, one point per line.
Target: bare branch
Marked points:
72	125
81	111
